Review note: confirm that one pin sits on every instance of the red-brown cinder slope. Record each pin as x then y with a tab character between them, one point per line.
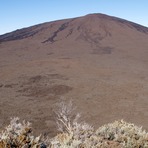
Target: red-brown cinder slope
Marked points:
97	60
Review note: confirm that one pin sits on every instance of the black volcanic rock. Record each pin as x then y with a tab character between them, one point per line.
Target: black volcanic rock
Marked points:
18	34
61	28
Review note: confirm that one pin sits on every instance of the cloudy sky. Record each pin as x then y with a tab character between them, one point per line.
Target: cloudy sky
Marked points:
16	14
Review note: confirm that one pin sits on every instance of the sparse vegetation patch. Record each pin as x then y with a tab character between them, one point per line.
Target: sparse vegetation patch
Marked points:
74	133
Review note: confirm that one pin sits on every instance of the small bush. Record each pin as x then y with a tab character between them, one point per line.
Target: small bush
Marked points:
18	135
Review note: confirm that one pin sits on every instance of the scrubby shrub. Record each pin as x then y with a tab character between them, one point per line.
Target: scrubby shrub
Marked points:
18	135
74	133
127	134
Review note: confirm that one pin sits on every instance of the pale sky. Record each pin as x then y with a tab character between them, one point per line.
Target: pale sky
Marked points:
17	14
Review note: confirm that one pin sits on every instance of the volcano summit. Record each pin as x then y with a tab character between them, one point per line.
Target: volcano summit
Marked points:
99	61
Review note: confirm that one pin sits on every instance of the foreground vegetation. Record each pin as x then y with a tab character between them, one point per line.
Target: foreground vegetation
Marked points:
74	133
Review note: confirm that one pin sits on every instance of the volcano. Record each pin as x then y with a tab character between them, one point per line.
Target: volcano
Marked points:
98	61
